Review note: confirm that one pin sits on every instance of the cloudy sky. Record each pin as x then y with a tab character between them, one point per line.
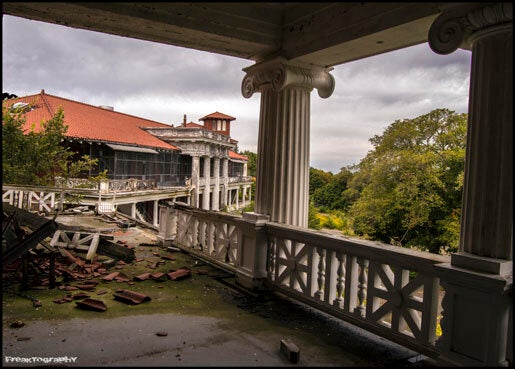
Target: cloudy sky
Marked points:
162	83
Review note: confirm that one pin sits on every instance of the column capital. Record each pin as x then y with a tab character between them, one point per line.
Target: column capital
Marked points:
460	27
279	73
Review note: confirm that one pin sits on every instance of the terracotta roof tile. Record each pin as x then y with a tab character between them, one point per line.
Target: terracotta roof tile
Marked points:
217	115
194	125
235	155
90	122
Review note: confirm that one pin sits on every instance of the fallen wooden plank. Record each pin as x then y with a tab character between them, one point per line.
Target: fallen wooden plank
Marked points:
93	247
115	251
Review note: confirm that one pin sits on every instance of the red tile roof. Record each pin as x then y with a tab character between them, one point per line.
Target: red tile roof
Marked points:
235	155
194	125
90	122
217	115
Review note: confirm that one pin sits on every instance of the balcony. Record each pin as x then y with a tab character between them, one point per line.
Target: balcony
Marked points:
209	319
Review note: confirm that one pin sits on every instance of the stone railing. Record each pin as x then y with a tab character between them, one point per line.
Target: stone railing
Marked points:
391	291
388	290
76	183
126	185
33	198
208	234
240	179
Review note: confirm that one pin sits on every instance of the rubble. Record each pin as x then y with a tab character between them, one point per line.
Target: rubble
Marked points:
131	297
179	274
91	304
290	350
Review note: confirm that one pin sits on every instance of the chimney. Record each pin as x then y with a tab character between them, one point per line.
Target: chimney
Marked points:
184	120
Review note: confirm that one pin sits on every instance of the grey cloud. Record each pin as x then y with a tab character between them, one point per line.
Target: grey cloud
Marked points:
162	82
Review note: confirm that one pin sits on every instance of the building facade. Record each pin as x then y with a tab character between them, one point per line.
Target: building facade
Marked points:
192	156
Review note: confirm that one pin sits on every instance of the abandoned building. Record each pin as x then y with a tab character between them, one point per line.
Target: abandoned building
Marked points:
191	162
291	48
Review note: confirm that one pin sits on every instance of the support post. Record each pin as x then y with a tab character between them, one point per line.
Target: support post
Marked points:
207	183
479	278
195	174
216	185
282	188
167	225
225	179
251	270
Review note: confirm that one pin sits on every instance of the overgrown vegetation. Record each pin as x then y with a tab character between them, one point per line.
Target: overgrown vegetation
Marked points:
406	191
37	157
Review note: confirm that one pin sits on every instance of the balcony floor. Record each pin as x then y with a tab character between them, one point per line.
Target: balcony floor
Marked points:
209	321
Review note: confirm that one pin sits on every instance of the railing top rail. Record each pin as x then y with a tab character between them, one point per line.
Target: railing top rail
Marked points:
207	213
361	248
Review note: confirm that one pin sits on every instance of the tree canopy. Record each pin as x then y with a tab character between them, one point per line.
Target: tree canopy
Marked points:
36	158
407	190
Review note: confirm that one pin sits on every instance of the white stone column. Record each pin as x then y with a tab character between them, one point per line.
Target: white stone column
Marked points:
207	182
195	180
155	219
476	305
225	180
133	210
216	187
237	198
245	166
282	189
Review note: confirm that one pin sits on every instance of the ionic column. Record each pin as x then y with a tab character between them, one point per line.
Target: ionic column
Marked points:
282	188
476	306
207	182
195	176
216	189
225	180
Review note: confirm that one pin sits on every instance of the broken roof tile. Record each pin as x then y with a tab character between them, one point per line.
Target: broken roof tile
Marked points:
131	297
180	273
142	277
92	304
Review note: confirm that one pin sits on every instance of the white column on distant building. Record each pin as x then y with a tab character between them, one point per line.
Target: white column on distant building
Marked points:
245	169
225	180
237	198
155	218
216	187
133	210
476	280
195	180
282	188
207	182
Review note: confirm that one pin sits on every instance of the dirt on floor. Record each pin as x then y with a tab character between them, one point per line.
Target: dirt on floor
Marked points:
202	320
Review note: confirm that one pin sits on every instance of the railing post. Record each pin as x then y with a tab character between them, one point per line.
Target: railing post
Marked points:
167	225
252	251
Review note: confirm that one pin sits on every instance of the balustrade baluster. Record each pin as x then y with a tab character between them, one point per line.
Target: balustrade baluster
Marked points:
362	286
321	273
272	247
338	301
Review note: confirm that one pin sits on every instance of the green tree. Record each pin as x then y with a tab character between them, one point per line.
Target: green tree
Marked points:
36	158
318	178
329	195
407	190
252	163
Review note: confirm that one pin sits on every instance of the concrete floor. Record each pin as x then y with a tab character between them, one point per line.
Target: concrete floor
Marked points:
249	335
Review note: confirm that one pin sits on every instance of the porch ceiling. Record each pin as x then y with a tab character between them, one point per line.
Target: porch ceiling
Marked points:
322	33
